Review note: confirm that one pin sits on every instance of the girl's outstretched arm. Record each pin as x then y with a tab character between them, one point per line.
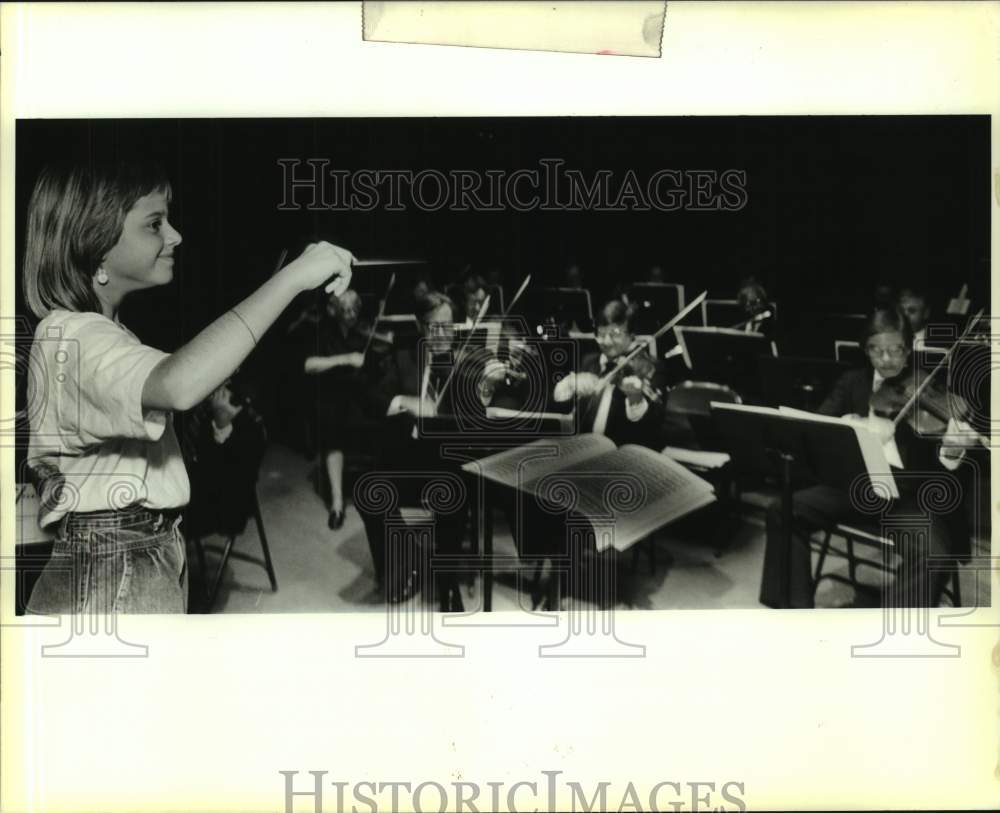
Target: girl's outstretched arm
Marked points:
186	377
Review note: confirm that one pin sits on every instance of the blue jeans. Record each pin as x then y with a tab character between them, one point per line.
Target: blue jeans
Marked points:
130	561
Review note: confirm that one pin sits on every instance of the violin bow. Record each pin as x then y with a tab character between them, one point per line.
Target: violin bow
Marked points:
381	313
386	262
638	348
927	380
517	295
281	261
461	350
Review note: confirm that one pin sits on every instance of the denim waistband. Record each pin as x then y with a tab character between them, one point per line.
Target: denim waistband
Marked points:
126	518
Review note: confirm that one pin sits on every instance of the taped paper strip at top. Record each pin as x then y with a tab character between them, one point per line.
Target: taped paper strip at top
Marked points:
608	28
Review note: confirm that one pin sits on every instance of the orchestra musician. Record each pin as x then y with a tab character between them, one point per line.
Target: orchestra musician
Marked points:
913	303
887	342
474	295
757	309
336	354
223	441
629	408
428	379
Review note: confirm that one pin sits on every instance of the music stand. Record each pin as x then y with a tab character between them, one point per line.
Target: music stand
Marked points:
458	445
727	312
848	352
827	452
486	335
725	356
798	381
564	306
818	331
404	328
656	303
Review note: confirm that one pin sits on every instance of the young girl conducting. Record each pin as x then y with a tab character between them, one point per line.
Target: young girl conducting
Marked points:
102	442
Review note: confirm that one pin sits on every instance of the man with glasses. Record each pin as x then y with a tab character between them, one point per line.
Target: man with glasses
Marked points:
887	341
423	380
629	409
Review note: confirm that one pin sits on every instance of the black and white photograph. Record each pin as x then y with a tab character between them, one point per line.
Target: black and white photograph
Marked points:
486	364
495	406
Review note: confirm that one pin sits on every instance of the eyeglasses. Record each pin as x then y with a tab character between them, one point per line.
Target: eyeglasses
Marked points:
611	332
439	328
896	352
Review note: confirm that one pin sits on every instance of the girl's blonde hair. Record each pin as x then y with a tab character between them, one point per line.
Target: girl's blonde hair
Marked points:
75	218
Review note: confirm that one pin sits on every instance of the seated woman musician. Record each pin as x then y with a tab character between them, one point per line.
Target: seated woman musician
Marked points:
427	379
628	407
865	394
335	357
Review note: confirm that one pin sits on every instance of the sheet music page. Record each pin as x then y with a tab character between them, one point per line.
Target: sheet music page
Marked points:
533	460
636	489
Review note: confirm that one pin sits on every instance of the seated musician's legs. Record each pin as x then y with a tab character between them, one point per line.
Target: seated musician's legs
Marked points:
814	507
449	532
405	492
375	532
539	536
929	540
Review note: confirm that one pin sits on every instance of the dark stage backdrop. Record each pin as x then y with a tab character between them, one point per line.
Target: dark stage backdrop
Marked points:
834	205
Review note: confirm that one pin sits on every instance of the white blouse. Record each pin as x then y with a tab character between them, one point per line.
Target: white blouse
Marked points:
85	411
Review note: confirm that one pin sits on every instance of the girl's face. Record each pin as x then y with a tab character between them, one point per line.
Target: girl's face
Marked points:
143	257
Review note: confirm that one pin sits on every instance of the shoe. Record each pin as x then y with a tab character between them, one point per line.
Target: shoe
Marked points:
451	601
335	520
405	591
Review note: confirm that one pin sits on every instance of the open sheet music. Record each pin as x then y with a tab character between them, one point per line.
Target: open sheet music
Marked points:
631	488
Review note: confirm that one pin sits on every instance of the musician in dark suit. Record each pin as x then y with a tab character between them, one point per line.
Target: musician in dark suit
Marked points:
423	380
914	305
629	409
887	342
757	308
223	442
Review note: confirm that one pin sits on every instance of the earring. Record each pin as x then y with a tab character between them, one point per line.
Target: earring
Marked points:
102	276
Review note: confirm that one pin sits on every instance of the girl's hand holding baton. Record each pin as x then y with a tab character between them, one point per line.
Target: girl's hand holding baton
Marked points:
187	376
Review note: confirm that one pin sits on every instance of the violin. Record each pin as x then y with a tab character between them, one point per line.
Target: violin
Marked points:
376	342
639	366
923	403
933	406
